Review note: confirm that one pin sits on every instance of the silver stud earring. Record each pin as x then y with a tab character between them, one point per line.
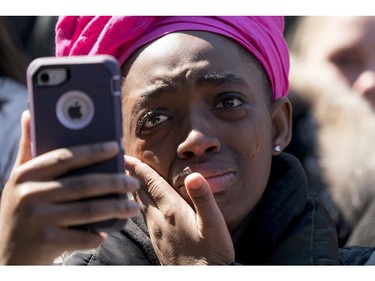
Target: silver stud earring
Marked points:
277	148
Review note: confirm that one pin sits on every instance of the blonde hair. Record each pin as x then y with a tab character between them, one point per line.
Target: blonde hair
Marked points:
301	35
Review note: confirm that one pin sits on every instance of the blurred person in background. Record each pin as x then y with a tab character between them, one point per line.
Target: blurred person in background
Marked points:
332	89
34	34
22	38
13	98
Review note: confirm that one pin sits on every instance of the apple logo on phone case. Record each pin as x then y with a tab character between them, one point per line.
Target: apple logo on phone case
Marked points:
75	110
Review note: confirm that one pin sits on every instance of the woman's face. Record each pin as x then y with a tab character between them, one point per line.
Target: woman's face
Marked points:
193	103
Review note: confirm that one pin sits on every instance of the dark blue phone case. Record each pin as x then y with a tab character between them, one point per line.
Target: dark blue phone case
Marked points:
95	82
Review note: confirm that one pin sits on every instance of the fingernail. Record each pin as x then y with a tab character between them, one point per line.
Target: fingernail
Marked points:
103	147
193	181
132	206
132	181
110	145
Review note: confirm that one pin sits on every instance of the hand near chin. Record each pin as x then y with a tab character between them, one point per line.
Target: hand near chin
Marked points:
180	234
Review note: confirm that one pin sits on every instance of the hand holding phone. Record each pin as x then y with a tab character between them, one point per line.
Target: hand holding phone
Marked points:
76	101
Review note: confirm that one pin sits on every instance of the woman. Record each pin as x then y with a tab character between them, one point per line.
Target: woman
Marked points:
205	119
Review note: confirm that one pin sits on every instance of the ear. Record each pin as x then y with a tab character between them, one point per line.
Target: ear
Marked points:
282	123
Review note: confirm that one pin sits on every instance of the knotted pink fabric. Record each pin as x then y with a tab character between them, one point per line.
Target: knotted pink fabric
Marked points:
120	36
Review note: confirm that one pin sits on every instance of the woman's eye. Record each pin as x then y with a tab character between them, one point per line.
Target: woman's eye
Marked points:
155	120
229	102
151	119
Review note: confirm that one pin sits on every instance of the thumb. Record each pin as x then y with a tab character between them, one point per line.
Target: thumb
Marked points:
24	149
203	199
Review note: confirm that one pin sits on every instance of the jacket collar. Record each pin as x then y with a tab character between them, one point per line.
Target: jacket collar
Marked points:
284	198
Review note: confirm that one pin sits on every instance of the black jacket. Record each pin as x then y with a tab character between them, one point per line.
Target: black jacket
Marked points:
288	226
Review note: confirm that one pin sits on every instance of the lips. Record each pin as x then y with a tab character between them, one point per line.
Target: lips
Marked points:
219	180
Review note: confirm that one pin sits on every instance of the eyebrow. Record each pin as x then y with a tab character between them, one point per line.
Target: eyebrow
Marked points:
154	92
167	86
222	78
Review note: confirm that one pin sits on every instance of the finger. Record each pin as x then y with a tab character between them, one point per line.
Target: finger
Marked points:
80	188
24	149
58	162
96	185
94	210
155	185
145	199
80	211
209	214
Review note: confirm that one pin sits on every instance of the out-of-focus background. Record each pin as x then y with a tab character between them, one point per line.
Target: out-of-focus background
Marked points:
34	34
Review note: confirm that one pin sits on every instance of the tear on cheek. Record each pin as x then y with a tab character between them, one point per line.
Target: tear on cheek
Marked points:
255	142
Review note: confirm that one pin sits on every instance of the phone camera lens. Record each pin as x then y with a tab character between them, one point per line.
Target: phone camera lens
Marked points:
44	77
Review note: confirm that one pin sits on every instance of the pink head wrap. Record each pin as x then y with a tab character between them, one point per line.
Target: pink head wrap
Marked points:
120	36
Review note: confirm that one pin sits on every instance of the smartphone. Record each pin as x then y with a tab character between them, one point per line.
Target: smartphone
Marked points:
73	101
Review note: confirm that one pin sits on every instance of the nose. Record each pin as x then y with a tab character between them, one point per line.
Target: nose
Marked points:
198	143
365	86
